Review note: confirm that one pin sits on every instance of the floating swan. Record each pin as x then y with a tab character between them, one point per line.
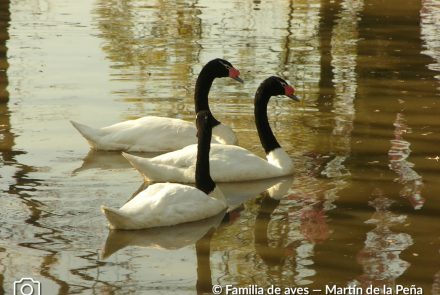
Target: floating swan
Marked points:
229	163
161	134
165	204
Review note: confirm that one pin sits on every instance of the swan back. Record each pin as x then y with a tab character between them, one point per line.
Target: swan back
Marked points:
229	163
164	204
279	158
156	134
217	194
224	134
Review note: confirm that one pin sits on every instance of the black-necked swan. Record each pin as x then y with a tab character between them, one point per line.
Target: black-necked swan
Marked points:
165	204
229	163
161	134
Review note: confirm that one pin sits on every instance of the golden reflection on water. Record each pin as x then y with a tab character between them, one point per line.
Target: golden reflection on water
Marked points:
361	208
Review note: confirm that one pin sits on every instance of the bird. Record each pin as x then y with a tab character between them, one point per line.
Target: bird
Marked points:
162	134
167	204
229	163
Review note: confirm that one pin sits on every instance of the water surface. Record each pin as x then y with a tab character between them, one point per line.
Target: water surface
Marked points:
361	208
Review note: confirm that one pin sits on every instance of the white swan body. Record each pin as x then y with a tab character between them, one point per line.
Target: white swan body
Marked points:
150	134
159	134
165	204
228	163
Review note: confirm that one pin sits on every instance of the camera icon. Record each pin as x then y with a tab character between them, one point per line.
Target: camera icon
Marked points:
27	286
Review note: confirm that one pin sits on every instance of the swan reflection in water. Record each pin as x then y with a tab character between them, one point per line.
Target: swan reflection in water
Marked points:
436	285
175	237
380	256
237	193
106	160
398	154
170	237
287	230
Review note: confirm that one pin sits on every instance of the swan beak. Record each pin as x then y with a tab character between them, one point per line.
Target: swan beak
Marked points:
294	97
238	79
235	74
289	92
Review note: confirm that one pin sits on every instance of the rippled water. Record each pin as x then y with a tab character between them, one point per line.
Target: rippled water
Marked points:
362	206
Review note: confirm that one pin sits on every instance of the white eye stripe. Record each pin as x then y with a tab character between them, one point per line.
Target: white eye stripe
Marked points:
226	66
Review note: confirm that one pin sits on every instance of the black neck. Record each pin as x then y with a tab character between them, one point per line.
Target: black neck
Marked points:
267	138
204	181
203	86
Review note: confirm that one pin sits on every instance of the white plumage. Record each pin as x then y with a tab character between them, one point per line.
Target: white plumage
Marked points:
150	134
161	134
228	163
165	204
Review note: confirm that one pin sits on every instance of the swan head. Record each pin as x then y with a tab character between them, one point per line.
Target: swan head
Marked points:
223	68
278	86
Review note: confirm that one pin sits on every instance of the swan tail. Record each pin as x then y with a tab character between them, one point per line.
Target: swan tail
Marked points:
116	219
91	134
155	172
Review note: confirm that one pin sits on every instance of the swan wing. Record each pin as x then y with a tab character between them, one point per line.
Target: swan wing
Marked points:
163	204
148	134
233	163
229	163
